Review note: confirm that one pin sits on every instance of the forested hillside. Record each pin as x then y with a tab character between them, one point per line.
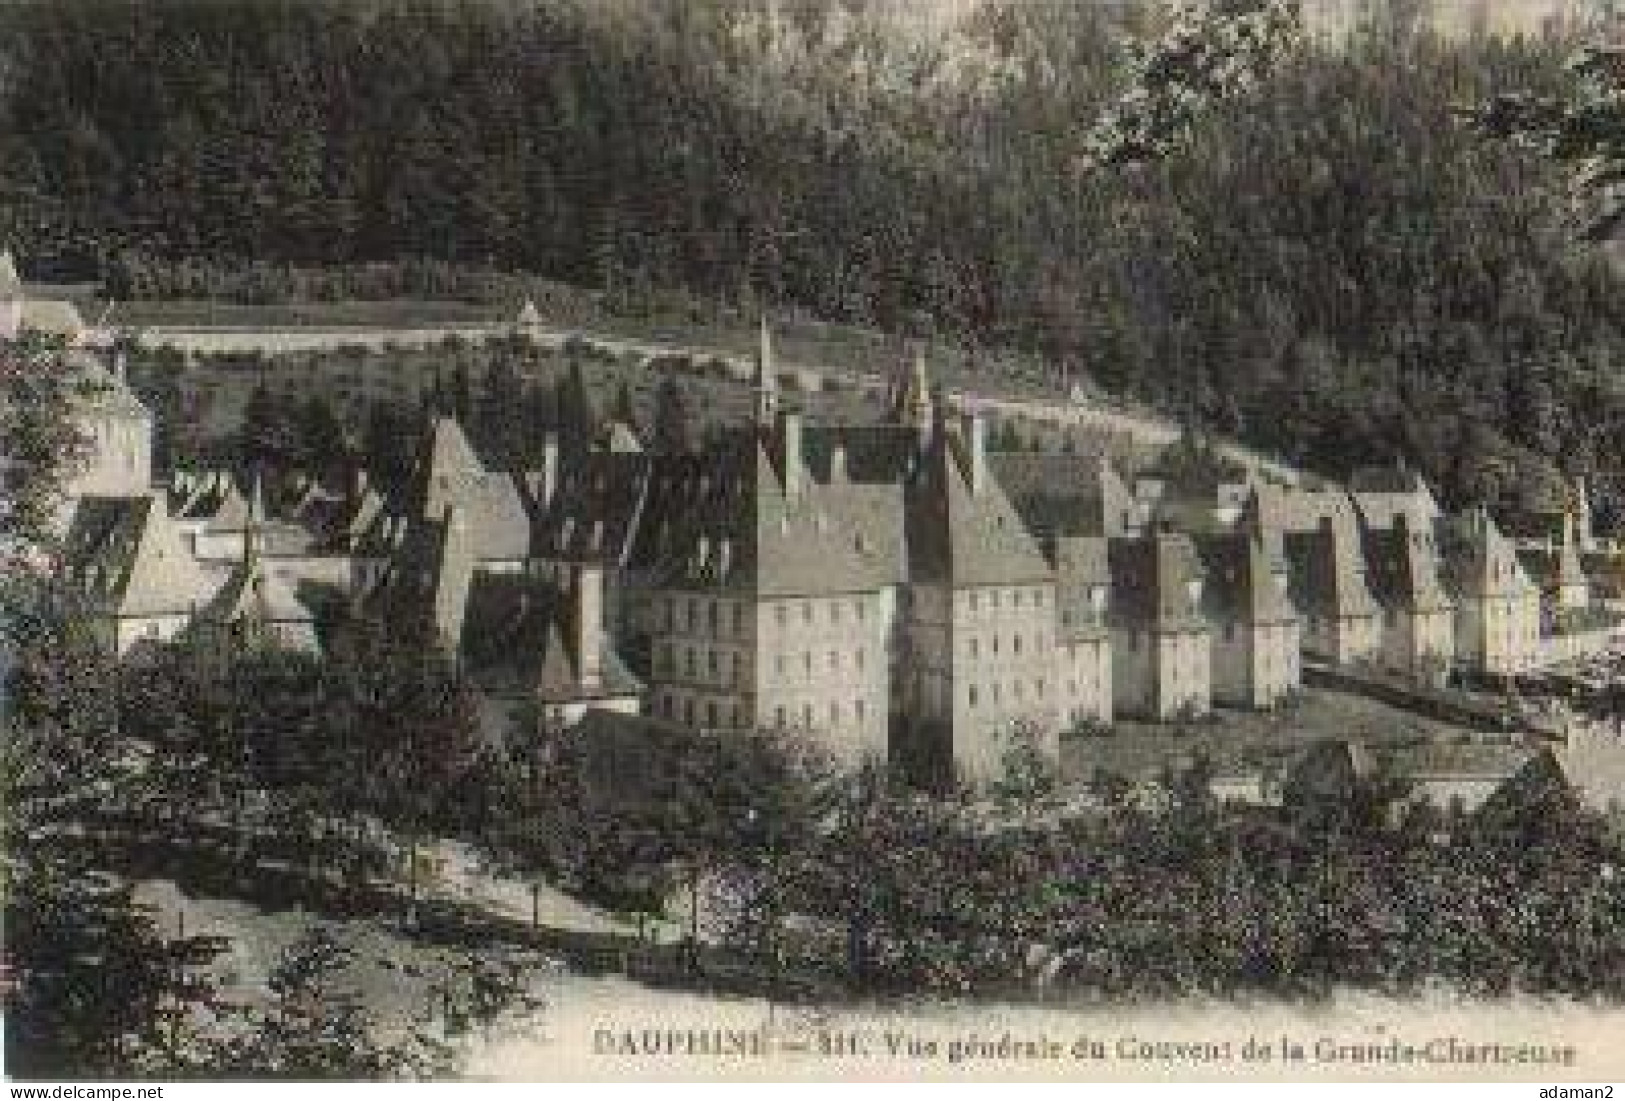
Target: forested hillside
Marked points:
1334	266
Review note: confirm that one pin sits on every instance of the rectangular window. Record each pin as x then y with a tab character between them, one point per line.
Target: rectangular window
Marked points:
781	614
778	717
834	611
858	710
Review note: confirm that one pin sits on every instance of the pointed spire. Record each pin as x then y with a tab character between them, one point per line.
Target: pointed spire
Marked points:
767	383
913	402
253	530
11	284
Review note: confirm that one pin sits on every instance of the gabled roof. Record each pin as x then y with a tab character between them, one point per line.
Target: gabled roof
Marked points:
445	465
427	580
960	536
448	473
1082	570
1065	494
1478	560
861	453
622	439
127	556
600	504
1157	583
1247	580
98	391
518	639
1328	568
1404	569
749	533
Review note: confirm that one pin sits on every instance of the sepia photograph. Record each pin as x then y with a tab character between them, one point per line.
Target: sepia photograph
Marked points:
812	541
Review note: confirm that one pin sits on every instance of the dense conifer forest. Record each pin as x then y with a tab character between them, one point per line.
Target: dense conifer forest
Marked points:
1332	263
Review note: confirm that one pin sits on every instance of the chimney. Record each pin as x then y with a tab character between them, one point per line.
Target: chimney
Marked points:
973	430
548	484
790	453
589	624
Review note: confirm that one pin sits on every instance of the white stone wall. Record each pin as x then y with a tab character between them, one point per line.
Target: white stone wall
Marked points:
1084	679
1343	640
824	668
814	664
1004	666
117	460
1498	634
1158	675
1412	641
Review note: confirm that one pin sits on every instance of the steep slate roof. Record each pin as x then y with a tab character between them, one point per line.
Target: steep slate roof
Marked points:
1247	580
1403	565
518	639
1285	510
874	516
868	453
1082	568
1157	583
1478	560
1558	564
97	390
599	506
444	467
426	583
448	473
127	556
1065	494
959	537
1383	500
1328	569
749	534
254	595
621	438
